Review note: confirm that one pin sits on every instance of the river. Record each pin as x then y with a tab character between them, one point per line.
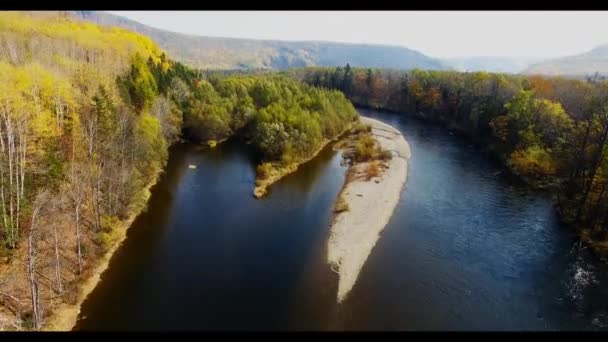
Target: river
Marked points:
467	248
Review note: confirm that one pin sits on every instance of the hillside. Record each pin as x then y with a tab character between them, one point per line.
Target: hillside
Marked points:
511	65
87	114
587	63
78	150
232	53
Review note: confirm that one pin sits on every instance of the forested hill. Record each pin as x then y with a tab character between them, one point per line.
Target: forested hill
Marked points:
588	63
231	53
87	114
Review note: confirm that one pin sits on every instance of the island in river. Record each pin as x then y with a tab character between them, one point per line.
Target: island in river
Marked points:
363	207
370	202
277	171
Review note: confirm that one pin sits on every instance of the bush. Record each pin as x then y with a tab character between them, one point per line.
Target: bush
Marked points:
110	223
533	162
264	170
360	127
341	205
365	149
385	155
373	170
106	240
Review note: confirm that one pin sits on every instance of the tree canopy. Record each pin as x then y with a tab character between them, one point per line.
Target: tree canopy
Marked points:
550	131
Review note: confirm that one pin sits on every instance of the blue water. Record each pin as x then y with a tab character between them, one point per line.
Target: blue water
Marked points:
466	249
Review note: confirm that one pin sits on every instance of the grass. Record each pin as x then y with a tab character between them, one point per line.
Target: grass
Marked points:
373	170
367	149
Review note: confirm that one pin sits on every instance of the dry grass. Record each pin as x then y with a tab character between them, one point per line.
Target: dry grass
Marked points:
360	146
341	205
373	170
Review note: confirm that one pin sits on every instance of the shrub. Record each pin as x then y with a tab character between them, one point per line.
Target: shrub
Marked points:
533	162
264	170
360	127
341	205
365	148
385	155
373	170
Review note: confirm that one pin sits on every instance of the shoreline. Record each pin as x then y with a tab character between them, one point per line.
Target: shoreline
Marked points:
354	232
65	316
277	173
600	248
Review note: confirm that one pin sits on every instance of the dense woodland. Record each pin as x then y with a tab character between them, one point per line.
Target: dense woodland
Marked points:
76	154
550	131
87	115
284	120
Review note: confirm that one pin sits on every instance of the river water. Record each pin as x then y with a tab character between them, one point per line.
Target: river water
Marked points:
467	248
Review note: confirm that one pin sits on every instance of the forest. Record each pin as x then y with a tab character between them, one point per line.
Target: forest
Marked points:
87	116
284	120
77	154
551	132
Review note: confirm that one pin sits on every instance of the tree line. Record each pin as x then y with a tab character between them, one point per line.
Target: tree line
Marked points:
283	119
552	132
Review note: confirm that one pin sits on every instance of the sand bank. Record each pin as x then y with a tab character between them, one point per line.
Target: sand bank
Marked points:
370	206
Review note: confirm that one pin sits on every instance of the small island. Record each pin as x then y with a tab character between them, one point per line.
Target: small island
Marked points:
378	156
269	173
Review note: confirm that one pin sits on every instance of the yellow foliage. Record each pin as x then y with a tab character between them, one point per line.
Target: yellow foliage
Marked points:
165	66
57	40
264	170
533	162
365	149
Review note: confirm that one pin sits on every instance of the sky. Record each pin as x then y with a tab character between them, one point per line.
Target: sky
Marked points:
435	33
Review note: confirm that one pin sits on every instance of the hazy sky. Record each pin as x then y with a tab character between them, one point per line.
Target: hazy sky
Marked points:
439	34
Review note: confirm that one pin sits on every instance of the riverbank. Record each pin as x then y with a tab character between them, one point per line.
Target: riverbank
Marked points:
279	171
65	316
599	247
369	205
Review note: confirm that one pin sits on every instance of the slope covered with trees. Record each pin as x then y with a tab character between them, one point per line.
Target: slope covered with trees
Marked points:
78	150
283	119
232	53
87	115
550	131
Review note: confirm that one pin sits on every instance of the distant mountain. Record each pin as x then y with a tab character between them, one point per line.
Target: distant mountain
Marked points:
588	63
233	53
511	65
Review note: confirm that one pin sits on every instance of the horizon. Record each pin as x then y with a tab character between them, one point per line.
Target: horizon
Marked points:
482	34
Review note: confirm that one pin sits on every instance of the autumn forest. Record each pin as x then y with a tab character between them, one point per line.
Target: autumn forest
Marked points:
88	115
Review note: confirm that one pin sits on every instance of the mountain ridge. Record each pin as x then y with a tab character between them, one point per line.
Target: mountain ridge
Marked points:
243	53
587	63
